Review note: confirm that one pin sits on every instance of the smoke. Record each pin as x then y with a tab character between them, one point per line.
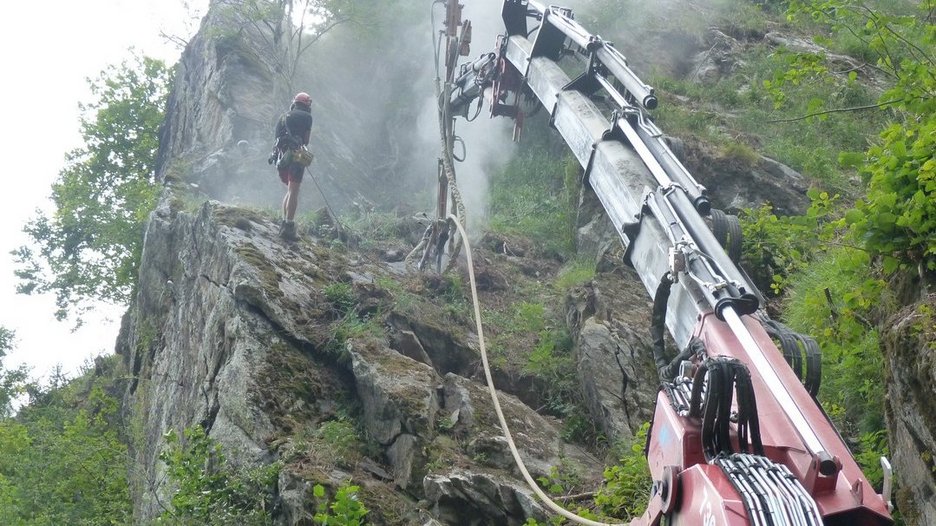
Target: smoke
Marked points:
660	37
486	141
375	135
377	114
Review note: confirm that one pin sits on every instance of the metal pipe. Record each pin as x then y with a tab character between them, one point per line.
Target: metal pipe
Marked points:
662	178
660	152
774	384
612	59
673	167
573	30
537	6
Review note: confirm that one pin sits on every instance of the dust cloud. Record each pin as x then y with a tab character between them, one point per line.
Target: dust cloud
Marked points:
376	136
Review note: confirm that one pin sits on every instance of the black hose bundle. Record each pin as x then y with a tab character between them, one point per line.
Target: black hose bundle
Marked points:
720	378
658	323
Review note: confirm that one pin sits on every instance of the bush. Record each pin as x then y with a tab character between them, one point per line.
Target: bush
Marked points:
776	247
209	491
626	490
836	300
61	458
344	510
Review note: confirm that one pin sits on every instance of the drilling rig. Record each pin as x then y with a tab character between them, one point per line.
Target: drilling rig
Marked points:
737	435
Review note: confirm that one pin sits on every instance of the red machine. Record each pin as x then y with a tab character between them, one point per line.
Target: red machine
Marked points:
737	437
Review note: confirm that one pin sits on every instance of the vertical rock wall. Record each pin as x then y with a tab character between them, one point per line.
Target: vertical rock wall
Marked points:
909	343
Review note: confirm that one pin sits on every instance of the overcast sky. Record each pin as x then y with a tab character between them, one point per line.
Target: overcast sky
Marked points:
48	50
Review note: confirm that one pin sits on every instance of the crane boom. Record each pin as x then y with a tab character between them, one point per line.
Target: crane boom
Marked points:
736	437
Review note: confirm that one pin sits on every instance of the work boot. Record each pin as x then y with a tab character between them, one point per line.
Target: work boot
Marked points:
288	231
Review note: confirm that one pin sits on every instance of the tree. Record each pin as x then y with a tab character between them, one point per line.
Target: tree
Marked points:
12	381
88	249
897	219
61	458
288	28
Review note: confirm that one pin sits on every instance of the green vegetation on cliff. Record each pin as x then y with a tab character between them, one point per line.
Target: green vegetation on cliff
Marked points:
63	458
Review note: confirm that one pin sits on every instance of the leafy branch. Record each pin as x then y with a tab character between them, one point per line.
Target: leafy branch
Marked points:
837	110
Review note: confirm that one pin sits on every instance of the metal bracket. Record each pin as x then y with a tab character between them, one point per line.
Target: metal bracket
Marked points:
888	483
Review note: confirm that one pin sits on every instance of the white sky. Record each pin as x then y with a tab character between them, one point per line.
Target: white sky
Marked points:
47	51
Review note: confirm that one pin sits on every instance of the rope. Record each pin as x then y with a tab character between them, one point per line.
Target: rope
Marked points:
331	212
457	202
497	408
446	157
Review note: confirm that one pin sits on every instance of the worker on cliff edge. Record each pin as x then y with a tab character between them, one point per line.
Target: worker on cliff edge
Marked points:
291	156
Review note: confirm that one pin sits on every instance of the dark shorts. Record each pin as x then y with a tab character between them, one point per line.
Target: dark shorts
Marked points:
293	173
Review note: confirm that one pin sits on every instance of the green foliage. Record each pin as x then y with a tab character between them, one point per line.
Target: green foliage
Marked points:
7	339
897	219
578	426
529	317
561	479
344	510
209	491
552	362
341	296
453	290
767	100
340	438
12	381
61	459
776	247
873	446
349	327
88	249
546	355
350	323
534	196
852	374
575	273
803	67
626	490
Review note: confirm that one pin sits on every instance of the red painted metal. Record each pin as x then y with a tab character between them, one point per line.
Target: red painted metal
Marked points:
707	497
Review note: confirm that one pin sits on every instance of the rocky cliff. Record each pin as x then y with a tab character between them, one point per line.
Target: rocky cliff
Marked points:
909	345
234	331
267	345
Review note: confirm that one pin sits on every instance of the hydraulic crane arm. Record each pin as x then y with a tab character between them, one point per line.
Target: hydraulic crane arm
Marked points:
736	438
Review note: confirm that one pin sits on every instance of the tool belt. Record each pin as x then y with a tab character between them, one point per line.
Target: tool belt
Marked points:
300	155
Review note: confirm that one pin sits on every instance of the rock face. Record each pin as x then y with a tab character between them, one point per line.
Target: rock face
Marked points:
235	80
224	92
232	331
265	345
910	353
241	334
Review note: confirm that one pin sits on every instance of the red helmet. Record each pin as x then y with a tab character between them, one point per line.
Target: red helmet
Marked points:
303	98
